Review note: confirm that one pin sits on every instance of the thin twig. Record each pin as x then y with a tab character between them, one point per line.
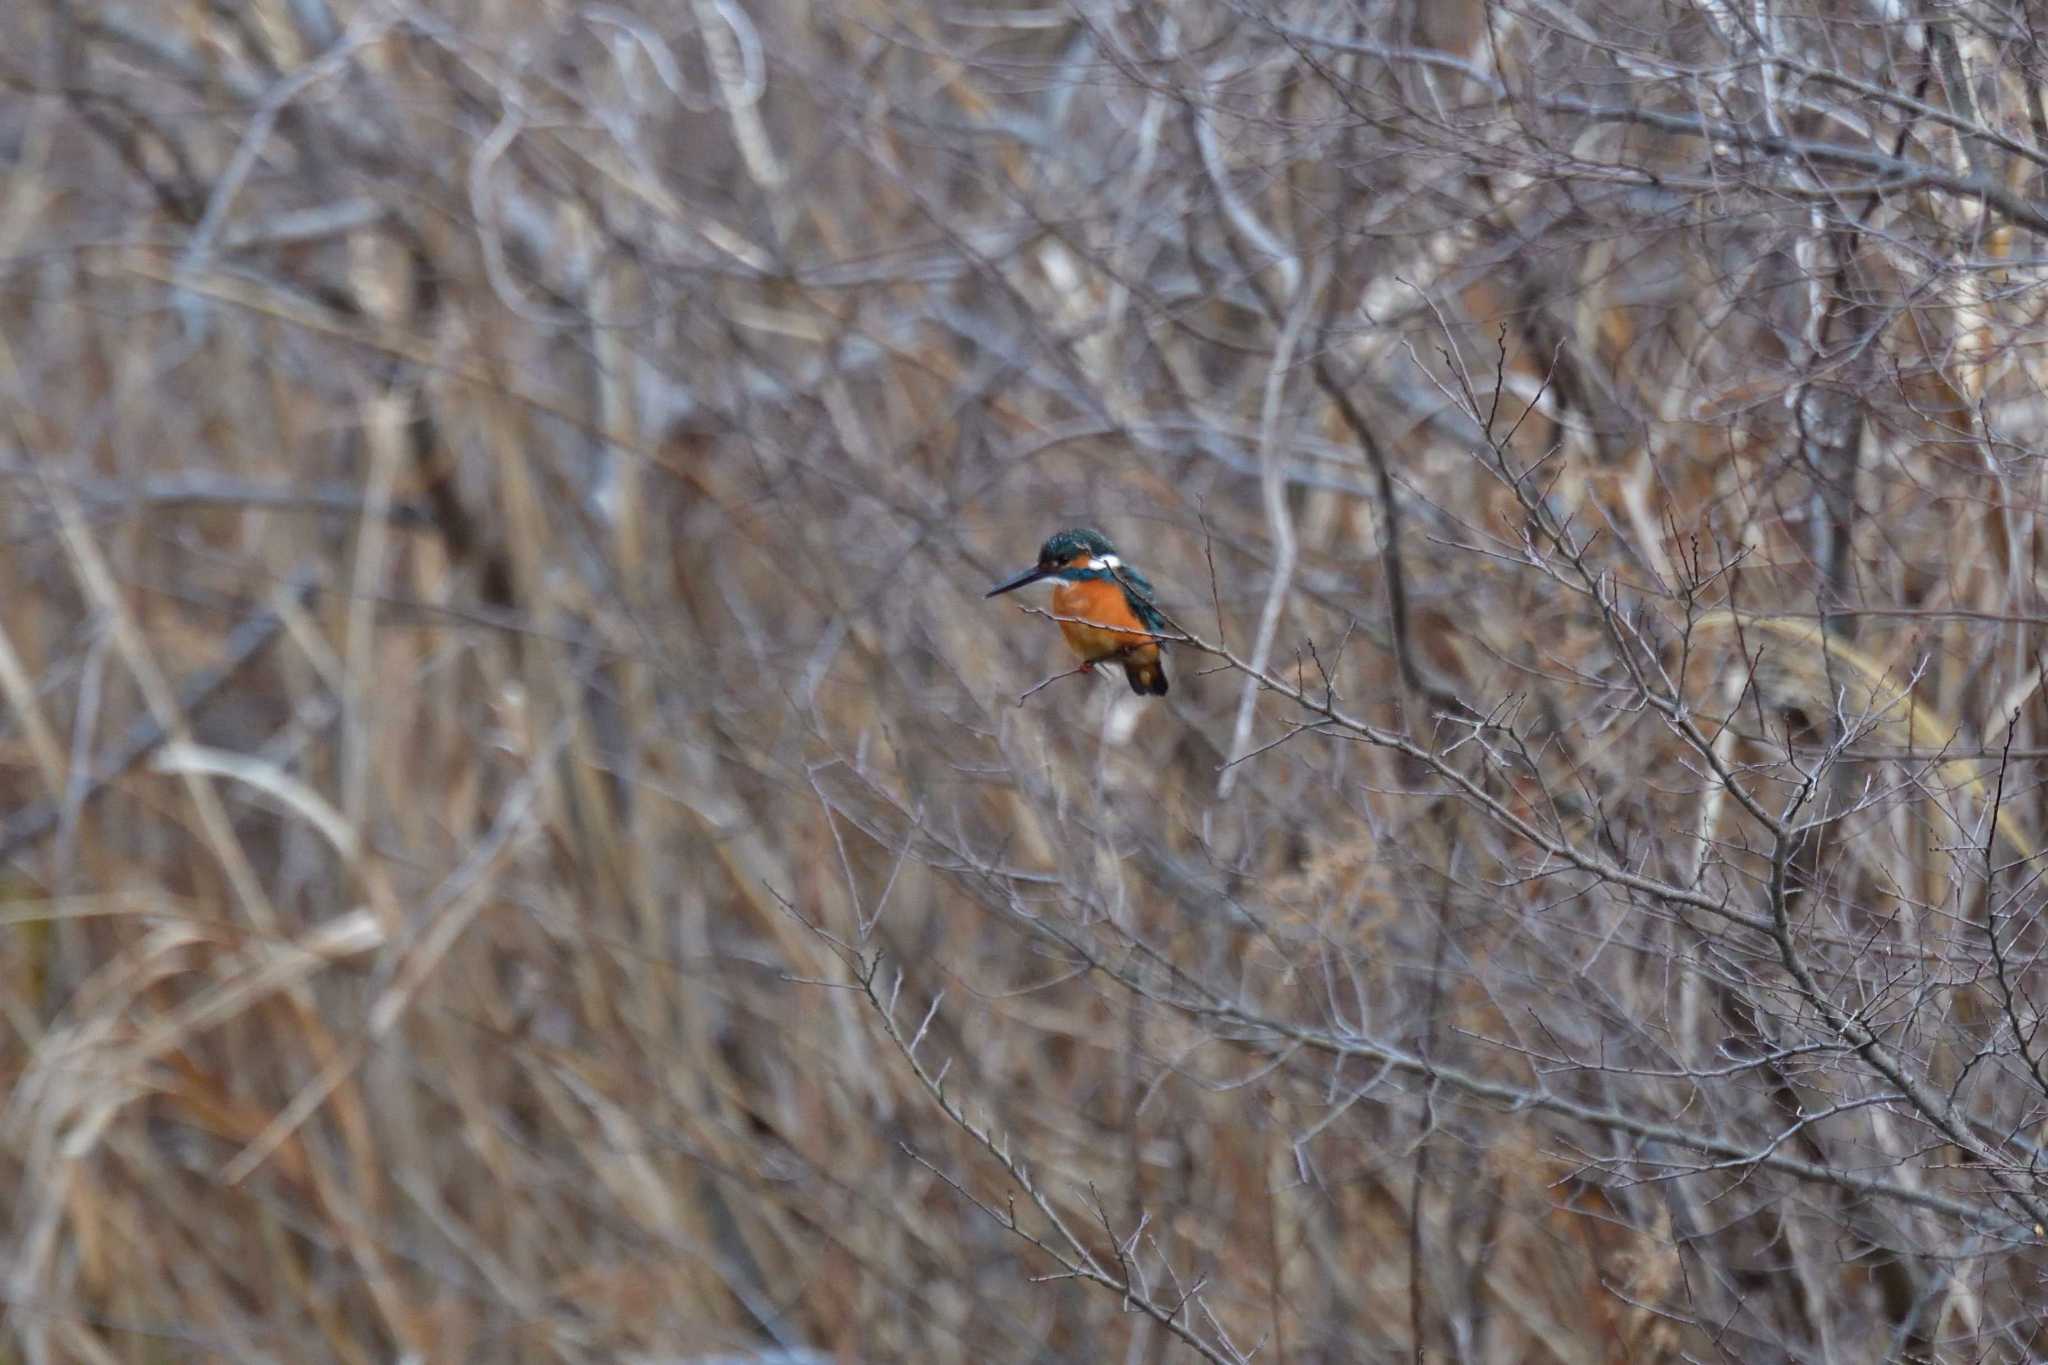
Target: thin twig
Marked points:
1035	688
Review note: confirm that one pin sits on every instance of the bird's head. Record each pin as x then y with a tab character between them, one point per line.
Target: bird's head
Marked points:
1065	555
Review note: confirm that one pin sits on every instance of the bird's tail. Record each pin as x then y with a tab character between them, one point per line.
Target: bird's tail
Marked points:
1147	676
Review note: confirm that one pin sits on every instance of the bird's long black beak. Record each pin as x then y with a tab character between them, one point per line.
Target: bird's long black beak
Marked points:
1022	580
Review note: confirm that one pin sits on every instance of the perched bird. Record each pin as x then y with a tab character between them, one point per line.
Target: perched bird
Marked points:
1105	607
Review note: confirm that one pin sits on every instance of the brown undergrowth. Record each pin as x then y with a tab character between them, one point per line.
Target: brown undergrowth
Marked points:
521	839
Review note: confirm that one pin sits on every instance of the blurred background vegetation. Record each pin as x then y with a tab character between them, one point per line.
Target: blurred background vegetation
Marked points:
521	838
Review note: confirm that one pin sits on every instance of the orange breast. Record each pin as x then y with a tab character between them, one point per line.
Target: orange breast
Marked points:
1102	622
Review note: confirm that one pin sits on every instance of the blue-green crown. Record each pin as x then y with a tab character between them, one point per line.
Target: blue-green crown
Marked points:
1063	546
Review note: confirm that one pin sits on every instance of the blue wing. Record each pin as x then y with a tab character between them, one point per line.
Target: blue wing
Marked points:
1138	592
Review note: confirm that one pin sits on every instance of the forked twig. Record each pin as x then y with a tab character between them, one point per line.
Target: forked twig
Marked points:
1048	682
1089	666
1075	1259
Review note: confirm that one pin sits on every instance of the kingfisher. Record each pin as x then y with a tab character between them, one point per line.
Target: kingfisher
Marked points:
1105	606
